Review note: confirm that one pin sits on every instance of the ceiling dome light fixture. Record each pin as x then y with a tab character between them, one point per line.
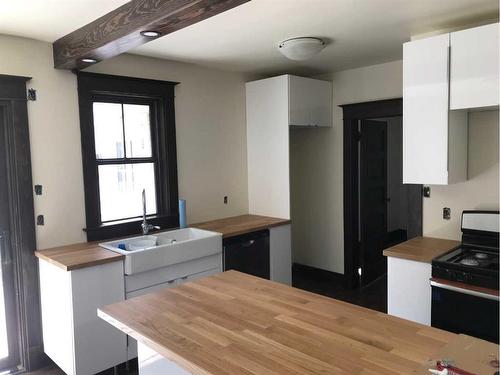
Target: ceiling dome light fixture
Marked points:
302	48
150	33
89	60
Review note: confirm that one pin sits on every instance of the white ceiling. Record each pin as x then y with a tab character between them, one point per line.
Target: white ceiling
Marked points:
359	32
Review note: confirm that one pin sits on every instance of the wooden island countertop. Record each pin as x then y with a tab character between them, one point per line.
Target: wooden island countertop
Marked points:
421	249
233	323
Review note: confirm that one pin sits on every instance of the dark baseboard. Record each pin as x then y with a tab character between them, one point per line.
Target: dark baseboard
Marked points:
37	359
316	274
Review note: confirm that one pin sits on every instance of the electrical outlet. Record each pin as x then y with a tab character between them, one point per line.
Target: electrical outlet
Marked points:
225	199
446	213
40	220
38	189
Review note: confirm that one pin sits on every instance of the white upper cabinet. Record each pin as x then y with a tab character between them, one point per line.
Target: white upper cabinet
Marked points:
310	102
434	140
474	67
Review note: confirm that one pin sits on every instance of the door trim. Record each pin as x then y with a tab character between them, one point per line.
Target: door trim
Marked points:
21	212
352	113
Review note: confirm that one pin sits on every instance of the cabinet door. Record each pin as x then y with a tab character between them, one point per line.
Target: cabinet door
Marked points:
474	68
310	102
425	110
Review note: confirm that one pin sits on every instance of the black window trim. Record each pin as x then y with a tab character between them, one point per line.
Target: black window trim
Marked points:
160	95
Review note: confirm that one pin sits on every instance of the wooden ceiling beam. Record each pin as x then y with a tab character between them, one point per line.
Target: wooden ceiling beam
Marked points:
120	30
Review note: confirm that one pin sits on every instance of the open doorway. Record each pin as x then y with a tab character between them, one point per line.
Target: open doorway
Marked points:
379	210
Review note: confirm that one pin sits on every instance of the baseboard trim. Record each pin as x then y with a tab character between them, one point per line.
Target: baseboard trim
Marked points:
317	274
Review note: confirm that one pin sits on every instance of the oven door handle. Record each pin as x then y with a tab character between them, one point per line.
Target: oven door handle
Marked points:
474	293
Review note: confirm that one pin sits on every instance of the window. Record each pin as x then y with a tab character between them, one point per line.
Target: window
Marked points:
128	145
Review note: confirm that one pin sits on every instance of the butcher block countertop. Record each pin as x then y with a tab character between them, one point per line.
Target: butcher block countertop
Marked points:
421	249
88	254
72	257
233	323
236	225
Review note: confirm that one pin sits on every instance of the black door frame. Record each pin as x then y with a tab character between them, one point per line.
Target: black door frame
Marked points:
352	113
22	241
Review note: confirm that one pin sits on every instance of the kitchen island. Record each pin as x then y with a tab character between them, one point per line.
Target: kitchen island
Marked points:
233	323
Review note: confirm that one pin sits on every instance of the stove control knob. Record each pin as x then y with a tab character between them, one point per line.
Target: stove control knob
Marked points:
464	277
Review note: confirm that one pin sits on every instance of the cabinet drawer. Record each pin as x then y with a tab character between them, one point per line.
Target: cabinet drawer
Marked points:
162	275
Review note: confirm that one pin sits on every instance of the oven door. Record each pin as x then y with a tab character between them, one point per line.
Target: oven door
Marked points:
465	311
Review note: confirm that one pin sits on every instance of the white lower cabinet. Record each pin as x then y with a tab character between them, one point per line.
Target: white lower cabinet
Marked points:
74	337
409	290
167	277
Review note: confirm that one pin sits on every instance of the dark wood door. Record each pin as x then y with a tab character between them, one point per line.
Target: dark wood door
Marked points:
372	199
9	352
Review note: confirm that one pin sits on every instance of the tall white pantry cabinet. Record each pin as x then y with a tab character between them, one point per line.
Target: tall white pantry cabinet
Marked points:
273	105
444	76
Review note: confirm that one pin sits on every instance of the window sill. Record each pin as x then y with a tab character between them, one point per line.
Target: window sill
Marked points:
123	228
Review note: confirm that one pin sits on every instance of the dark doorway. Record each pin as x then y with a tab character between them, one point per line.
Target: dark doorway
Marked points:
379	211
21	345
372	198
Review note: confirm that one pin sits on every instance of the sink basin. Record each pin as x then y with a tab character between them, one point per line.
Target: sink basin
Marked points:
144	253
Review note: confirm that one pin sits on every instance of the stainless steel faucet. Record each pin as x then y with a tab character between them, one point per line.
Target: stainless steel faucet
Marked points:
145	226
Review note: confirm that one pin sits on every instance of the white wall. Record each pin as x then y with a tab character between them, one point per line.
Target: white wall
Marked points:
480	191
317	172
210	123
317	167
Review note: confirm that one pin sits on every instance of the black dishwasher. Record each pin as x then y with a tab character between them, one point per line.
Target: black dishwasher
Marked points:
248	253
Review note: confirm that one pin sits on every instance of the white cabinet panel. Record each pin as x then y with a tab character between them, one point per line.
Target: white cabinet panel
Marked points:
425	110
74	337
310	102
268	147
409	290
281	254
474	67
57	315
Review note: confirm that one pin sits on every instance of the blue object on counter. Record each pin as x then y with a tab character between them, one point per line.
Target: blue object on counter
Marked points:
122	246
182	213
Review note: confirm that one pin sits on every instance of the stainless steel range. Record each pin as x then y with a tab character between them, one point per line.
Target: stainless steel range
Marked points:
465	297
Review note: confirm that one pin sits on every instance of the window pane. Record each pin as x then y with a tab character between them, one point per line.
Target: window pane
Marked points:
120	190
108	130
137	130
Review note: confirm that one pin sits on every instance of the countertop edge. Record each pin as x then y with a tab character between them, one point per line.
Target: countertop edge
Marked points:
257	228
394	252
178	359
84	264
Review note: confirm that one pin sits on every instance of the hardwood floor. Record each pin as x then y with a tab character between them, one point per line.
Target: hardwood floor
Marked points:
372	296
121	370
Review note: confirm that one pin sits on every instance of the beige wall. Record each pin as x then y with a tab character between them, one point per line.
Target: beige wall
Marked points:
317	172
480	191
317	167
210	122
